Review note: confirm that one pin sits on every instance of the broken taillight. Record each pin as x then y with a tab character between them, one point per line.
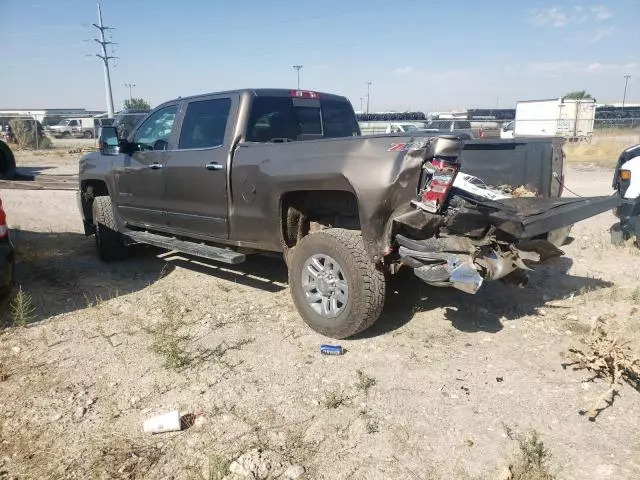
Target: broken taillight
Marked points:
440	175
4	229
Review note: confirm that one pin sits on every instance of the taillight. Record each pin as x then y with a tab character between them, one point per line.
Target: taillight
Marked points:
4	230
625	174
481	133
304	94
441	174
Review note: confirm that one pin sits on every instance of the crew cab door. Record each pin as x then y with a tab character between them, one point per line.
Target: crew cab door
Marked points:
196	174
139	177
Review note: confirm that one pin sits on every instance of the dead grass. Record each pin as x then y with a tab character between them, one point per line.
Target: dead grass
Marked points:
173	342
604	356
532	462
4	372
22	308
364	382
335	398
605	153
217	468
119	458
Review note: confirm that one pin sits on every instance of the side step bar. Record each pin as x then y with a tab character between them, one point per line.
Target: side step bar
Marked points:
191	248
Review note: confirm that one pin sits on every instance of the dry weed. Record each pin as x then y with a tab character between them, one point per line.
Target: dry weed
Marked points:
22	308
334	399
4	372
121	459
364	381
533	457
608	359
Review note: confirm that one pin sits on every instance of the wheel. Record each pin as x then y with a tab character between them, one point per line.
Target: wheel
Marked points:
66	134
109	241
7	162
336	288
88	134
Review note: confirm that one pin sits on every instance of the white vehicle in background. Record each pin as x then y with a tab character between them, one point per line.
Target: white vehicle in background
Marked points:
506	132
626	183
83	127
401	128
571	119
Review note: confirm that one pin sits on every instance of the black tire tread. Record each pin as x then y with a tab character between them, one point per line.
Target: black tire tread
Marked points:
373	289
111	244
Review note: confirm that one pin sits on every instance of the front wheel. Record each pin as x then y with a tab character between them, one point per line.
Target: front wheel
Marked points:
109	242
336	288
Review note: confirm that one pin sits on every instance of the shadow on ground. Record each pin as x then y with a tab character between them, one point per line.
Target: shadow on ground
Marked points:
483	312
61	272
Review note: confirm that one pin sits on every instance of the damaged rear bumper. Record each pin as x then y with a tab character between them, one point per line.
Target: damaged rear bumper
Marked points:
464	264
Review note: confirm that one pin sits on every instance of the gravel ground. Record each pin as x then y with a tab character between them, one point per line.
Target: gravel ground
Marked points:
441	387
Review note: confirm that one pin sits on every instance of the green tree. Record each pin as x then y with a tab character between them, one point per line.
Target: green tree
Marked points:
578	95
136	104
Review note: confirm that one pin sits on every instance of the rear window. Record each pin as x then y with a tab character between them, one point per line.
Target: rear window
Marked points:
276	119
463	124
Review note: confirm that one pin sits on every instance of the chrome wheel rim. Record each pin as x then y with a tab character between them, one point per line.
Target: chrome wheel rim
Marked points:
325	285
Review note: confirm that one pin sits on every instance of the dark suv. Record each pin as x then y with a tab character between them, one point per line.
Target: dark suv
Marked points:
126	120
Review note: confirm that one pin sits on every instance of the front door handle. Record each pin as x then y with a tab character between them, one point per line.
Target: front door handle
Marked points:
214	166
155	166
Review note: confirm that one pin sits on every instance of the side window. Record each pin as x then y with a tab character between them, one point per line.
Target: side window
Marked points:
157	127
73	123
272	118
204	124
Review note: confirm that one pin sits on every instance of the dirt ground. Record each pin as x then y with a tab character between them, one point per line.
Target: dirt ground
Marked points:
442	387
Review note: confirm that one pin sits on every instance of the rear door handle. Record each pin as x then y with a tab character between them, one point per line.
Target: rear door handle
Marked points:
155	166
214	166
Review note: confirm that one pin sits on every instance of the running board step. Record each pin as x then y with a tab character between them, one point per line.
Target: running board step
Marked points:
190	248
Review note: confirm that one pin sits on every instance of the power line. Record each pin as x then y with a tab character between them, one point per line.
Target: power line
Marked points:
105	59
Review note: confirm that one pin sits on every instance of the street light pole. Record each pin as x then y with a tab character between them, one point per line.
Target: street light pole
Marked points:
624	95
130	85
368	95
298	68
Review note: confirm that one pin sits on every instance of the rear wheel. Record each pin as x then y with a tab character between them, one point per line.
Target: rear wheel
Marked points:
109	242
336	288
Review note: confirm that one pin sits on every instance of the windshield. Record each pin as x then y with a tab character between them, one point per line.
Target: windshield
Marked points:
64	123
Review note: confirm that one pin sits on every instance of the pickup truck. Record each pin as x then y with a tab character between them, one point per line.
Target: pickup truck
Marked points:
626	183
230	174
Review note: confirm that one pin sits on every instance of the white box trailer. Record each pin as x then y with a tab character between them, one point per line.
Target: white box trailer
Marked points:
559	117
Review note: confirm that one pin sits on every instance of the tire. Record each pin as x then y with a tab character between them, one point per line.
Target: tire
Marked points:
109	242
365	283
7	162
66	134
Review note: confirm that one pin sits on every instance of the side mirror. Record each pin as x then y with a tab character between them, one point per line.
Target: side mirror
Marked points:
108	140
126	147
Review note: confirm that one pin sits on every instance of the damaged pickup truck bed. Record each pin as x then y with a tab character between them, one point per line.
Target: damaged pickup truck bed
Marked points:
230	174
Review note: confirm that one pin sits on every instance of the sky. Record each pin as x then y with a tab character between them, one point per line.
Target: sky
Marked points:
418	55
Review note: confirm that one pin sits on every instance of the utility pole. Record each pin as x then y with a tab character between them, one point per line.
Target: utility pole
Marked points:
361	105
624	96
105	60
298	68
368	95
130	85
